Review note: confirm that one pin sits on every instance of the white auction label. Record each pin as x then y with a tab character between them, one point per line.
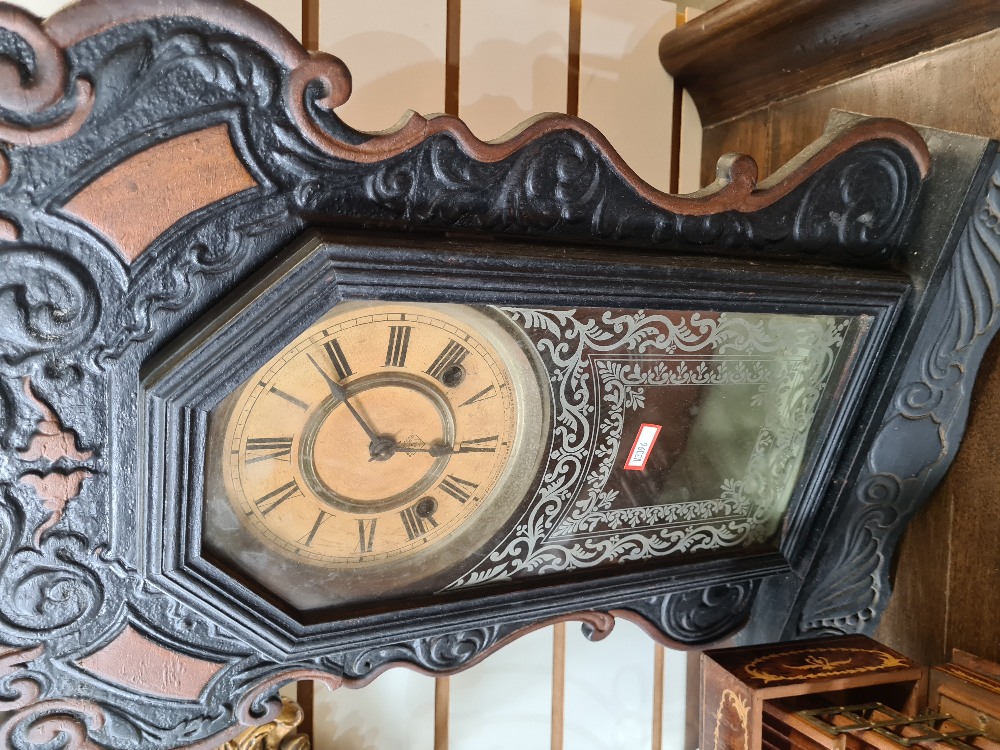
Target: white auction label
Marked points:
639	454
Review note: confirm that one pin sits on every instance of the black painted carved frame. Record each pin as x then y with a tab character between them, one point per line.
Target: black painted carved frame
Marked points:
152	160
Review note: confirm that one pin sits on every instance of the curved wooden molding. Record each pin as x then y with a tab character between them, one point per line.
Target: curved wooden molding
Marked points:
78	21
46	88
457	655
679	621
162	184
746	54
735	190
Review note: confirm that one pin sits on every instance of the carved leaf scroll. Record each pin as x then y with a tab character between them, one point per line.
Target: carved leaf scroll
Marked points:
42	110
51	440
927	416
51	443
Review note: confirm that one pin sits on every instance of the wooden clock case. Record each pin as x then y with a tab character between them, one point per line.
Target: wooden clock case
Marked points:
155	159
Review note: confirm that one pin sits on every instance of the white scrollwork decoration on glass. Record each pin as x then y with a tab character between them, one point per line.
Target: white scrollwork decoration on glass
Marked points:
760	381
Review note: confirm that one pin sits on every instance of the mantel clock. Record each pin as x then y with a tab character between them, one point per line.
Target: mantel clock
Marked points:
280	399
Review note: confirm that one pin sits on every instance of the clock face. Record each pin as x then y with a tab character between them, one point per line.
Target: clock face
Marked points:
398	448
383	432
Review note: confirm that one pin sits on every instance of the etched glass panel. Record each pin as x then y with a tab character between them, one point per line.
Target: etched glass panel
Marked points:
675	432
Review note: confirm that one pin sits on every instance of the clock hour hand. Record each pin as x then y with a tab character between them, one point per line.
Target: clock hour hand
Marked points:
435	450
479	445
339	392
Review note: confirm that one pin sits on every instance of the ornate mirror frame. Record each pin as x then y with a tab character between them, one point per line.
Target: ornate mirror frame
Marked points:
151	161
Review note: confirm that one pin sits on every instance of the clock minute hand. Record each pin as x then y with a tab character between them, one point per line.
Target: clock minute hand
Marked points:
340	392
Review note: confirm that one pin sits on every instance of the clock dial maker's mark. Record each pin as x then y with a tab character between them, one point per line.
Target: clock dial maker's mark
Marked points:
273	499
268	448
456	487
399	343
451	356
417	517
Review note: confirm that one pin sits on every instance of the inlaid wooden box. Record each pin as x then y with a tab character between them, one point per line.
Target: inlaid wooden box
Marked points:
968	688
739	687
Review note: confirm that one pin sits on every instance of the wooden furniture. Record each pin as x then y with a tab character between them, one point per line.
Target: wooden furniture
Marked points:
765	76
968	688
180	207
747	693
845	692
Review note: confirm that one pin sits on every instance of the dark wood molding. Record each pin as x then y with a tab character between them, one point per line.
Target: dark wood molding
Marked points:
745	54
735	190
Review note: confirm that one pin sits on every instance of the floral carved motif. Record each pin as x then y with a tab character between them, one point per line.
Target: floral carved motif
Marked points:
742	711
52	442
821	663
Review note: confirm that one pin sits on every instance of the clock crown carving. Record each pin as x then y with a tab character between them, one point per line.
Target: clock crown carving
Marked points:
280	399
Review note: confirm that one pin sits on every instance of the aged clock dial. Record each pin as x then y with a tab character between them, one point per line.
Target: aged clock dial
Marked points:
384	432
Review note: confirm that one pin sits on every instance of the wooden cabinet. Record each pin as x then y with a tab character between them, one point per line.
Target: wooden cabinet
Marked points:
968	688
747	693
845	693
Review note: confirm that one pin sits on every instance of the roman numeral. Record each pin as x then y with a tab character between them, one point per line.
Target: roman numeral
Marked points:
481	396
451	355
366	534
417	516
399	341
289	398
272	500
480	445
308	539
336	355
269	448
455	487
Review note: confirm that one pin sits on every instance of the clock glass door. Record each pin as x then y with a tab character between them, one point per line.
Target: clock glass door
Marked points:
401	448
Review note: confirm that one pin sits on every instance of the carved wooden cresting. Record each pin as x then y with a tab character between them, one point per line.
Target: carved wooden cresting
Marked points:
154	156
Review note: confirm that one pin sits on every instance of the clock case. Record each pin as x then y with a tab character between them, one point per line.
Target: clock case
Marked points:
183	384
155	159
